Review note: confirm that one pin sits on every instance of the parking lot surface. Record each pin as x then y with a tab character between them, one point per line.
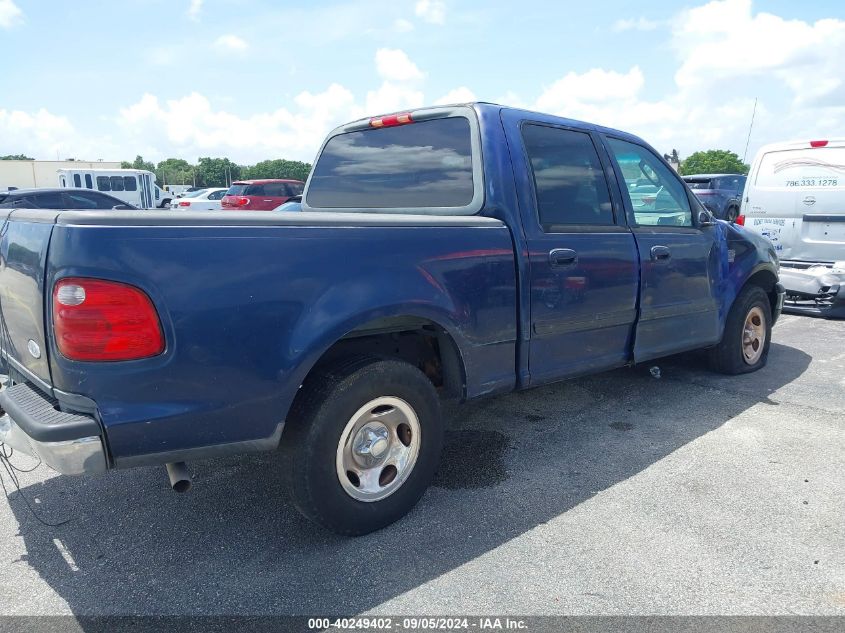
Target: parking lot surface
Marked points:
622	493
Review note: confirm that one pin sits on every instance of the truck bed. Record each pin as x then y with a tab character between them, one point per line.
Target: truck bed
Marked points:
248	302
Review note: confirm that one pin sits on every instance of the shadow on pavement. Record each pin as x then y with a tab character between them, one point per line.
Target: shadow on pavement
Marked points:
234	545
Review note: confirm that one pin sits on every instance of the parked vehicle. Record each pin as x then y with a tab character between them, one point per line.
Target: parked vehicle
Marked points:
721	194
202	200
450	252
795	198
260	195
293	204
188	190
60	199
134	186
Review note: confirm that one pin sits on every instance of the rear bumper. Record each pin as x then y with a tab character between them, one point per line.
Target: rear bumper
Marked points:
814	291
69	443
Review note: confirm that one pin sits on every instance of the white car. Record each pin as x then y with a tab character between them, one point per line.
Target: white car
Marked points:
202	200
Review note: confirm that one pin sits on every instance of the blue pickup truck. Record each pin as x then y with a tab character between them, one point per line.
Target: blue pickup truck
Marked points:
444	253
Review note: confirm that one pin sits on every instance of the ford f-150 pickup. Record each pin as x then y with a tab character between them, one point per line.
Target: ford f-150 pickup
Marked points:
444	253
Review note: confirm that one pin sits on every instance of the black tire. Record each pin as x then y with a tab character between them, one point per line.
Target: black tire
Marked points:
165	204
326	404
729	356
731	214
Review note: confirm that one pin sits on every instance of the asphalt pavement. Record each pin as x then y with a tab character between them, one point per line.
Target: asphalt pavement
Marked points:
622	493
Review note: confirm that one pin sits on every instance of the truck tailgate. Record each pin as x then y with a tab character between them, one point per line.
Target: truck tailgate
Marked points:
24	239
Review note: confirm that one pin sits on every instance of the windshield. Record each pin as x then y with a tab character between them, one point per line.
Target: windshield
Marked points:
424	164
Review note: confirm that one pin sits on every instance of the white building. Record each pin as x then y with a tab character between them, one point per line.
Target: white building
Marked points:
26	174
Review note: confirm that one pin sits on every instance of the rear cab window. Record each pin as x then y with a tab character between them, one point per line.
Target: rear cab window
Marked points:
429	166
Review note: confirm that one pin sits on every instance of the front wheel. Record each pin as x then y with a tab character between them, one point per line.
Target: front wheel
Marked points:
362	444
748	332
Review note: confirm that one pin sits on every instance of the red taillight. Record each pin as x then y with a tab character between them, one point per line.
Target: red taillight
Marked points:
97	320
818	143
740	219
184	203
391	120
242	202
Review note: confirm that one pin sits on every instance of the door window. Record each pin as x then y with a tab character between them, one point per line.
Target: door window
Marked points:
77	180
90	200
88	183
217	195
655	191
568	178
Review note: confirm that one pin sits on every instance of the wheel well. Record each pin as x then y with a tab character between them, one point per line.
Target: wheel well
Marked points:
420	342
766	280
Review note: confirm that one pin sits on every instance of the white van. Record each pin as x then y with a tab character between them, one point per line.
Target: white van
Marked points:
795	196
135	186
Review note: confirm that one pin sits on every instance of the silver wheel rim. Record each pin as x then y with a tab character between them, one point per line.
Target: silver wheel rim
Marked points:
378	449
753	335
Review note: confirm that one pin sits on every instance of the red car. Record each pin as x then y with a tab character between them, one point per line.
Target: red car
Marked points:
260	195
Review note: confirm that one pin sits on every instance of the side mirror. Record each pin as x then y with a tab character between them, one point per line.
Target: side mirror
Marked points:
705	219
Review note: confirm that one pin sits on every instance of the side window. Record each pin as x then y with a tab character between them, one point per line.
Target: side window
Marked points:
88	183
80	200
52	200
656	194
295	189
103	183
130	183
117	183
217	195
568	178
276	189
77	181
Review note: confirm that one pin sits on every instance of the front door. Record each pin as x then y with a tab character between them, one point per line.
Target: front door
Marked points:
680	262
582	257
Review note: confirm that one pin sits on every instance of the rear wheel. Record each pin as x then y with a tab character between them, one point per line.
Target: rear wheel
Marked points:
748	331
362	444
732	214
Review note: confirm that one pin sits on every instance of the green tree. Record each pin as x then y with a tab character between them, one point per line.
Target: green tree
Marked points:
175	171
16	157
278	168
713	161
216	172
138	163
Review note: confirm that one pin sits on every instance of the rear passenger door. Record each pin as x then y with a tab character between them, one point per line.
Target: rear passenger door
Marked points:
582	257
680	261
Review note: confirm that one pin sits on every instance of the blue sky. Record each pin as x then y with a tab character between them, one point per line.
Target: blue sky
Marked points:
258	79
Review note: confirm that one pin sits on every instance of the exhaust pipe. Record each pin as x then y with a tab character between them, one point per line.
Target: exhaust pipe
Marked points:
180	478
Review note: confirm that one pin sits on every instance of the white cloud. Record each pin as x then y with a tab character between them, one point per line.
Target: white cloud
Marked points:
402	25
393	64
231	43
724	54
631	24
191	126
458	95
39	134
194	9
732	42
10	14
433	11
